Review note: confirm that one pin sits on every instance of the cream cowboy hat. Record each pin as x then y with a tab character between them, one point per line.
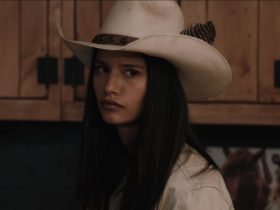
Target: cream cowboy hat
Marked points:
155	28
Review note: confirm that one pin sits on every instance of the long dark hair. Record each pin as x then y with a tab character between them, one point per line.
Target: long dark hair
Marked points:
163	131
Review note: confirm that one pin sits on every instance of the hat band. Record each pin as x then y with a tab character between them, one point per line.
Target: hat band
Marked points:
113	39
205	32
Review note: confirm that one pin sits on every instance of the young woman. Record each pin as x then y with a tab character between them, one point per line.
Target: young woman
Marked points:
138	150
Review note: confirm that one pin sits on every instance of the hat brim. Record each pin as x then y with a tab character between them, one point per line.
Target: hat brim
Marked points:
202	70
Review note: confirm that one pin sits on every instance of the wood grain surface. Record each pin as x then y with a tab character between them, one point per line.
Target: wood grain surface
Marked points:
269	50
236	26
9	45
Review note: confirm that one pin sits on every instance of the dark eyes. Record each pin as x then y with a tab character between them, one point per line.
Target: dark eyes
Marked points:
131	72
101	69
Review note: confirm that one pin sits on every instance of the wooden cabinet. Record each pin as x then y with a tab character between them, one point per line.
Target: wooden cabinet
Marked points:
269	51
236	24
27	33
247	34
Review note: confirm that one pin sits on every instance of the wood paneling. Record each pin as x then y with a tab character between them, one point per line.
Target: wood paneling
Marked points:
54	50
29	109
68	28
72	111
9	45
194	12
33	41
36	36
239	114
269	49
236	26
88	18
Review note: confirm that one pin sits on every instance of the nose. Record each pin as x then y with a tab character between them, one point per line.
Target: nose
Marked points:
113	84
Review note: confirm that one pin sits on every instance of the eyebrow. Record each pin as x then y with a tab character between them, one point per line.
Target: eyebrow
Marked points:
124	65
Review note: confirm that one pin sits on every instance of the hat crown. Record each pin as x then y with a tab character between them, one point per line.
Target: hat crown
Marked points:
143	18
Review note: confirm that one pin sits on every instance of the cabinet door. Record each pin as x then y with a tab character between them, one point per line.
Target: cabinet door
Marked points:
269	51
27	33
250	37
80	21
194	12
237	33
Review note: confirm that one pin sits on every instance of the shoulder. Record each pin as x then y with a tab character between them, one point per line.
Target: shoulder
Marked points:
193	185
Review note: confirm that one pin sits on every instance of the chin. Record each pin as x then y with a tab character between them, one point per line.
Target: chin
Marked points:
116	120
113	119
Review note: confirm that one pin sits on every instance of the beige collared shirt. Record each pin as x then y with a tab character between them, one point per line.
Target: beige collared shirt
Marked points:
187	189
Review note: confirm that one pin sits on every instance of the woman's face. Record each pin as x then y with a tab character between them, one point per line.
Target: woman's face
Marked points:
120	82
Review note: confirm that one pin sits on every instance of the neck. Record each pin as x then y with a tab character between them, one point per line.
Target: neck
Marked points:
127	133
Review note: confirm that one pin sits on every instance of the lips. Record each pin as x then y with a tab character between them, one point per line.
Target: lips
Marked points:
110	105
